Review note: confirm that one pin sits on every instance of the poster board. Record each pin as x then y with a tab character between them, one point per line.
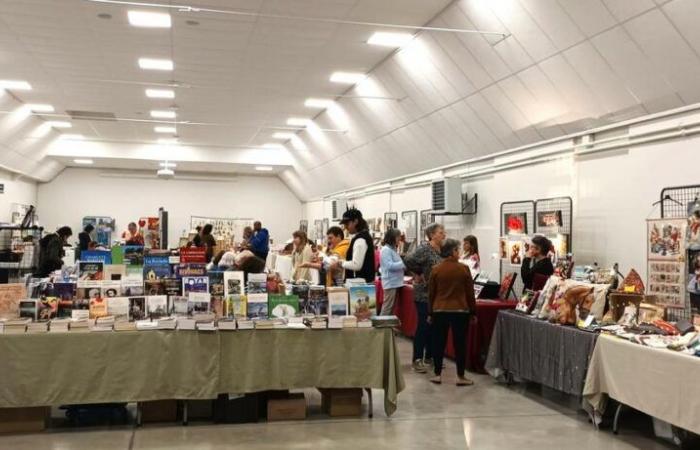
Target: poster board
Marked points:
666	261
228	230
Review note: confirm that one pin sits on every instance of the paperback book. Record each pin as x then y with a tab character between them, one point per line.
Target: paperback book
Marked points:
198	303
178	306
64	291
216	290
101	256
132	288
318	301
257	283
28	309
338	302
363	301
191	270
118	307
257	306
193	255
110	289
156	267
283	306
137	308
154	287
91	271
98	308
133	255
47	308
236	306
172	286
114	272
233	283
157	306
195	284
88	289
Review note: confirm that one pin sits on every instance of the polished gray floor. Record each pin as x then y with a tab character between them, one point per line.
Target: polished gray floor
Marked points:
484	416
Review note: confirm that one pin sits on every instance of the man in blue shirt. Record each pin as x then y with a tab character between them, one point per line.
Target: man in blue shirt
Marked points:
260	242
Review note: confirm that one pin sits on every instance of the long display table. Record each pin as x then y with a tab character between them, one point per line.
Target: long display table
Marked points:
535	350
658	382
108	367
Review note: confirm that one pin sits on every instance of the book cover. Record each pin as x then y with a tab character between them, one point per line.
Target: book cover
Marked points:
191	270
119	308
195	284
157	306
318	301
102	256
198	302
172	286
98	307
87	289
257	306
338	302
178	305
233	283
117	255
193	255
363	301
10	295
154	287
110	289
137	308
47	308
132	288
114	272
91	271
133	255
216	285
283	306
64	291
235	306
156	267
257	283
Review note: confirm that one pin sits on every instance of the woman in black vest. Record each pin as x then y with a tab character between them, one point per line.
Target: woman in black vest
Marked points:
360	257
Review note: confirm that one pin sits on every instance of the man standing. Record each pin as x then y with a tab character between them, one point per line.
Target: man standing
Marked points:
260	241
51	251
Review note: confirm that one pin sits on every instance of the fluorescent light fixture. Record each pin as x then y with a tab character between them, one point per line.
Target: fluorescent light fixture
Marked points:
347	77
15	85
172	130
149	19
168	164
163	114
318	103
82	161
283	135
168	141
155	64
72	137
59	124
390	39
298	122
273	145
263	168
160	93
40	108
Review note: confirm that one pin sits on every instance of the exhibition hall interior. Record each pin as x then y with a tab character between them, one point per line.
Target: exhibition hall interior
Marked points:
343	224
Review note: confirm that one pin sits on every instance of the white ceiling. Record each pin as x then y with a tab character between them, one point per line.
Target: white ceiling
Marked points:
566	66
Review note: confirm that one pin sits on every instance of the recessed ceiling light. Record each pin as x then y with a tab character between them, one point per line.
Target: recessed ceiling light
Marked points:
168	164
162	114
172	130
390	39
347	77
263	168
273	145
16	85
149	19
318	103
167	141
72	137
40	108
283	135
82	161
160	93
59	124
155	64
298	122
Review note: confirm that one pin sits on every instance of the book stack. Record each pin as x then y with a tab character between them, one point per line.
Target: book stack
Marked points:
167	323
79	325
186	323
385	322
316	323
349	322
279	324
226	324
2	326
38	327
105	323
124	326
145	325
365	323
16	326
335	323
59	325
206	326
245	324
296	326
264	324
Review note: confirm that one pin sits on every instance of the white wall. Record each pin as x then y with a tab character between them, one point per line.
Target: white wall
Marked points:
17	190
612	198
76	193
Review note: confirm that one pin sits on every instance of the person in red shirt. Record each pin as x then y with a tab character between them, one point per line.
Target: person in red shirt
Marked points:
132	235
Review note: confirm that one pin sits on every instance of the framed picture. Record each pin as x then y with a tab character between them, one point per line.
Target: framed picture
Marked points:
515	223
549	219
409	225
694	225
666	239
391	220
503	248
304	226
515	252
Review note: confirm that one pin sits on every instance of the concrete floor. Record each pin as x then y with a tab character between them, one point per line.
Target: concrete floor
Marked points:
482	417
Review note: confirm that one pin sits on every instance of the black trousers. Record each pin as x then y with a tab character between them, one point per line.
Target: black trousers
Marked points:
459	323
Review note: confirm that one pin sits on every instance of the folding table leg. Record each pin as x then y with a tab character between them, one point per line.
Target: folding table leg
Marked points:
617	417
184	413
139	415
370	413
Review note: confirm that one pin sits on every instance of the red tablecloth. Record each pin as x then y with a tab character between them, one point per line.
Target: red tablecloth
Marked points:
480	330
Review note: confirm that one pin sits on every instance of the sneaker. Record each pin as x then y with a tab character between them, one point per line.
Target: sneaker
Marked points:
419	367
428	361
437	379
463	381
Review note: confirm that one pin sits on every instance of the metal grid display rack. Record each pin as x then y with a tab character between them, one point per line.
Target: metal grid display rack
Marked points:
528	208
19	251
563	204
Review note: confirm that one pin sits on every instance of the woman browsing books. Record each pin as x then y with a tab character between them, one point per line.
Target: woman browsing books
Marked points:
391	268
301	256
470	247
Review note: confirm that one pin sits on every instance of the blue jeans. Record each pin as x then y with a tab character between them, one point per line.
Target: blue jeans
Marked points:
422	341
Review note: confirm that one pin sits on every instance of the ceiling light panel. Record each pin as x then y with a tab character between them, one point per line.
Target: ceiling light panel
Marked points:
160	93
40	108
263	168
83	161
283	135
15	85
163	114
318	103
156	64
298	122
149	19
171	130
59	124
386	39
167	141
347	77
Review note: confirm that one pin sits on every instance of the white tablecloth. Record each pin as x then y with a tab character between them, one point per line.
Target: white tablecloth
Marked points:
659	382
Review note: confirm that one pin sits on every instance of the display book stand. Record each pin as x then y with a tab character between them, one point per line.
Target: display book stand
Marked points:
674	203
19	247
560	235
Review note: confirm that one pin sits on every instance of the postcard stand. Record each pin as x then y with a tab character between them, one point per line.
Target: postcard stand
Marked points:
674	205
526	207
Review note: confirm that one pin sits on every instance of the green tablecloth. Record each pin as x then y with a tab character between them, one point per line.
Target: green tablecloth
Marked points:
80	368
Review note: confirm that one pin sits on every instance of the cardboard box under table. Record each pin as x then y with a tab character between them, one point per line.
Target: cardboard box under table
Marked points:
286	407
341	402
23	420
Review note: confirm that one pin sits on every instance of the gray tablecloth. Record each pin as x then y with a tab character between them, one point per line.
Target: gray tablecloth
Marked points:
552	355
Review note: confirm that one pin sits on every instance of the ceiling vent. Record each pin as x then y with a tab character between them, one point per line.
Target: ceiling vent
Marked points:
92	115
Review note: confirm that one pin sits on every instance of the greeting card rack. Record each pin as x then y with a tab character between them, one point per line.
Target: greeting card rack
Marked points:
565	206
528	208
675	204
